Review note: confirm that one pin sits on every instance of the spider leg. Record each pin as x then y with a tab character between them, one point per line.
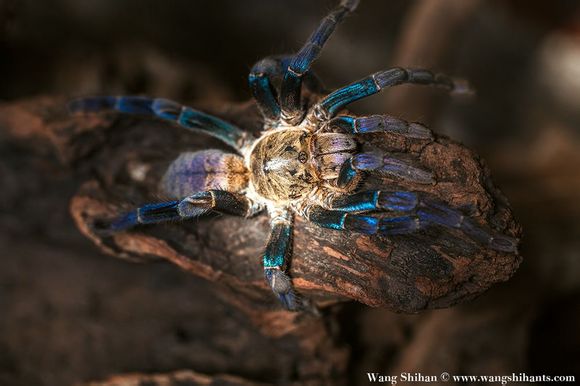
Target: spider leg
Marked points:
338	99
352	213
261	80
363	162
370	200
380	124
301	62
191	206
164	109
275	258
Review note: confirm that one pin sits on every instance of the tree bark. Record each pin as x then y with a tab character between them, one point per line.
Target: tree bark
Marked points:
118	161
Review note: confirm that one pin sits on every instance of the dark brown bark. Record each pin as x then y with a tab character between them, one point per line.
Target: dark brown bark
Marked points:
180	378
120	160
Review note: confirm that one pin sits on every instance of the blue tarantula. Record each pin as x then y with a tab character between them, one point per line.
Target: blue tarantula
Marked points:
307	160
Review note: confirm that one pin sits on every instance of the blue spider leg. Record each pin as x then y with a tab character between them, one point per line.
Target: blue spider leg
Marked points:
335	101
191	206
370	200
275	258
261	81
301	62
373	162
164	109
351	212
380	124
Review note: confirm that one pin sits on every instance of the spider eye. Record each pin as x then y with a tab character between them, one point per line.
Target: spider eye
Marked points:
302	157
306	177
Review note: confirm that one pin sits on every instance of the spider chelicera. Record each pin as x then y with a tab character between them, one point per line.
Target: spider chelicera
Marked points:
306	161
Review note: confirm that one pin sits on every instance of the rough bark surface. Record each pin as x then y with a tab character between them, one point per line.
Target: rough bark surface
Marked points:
180	378
120	159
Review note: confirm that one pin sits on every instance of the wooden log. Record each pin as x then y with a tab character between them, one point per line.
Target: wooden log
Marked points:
120	160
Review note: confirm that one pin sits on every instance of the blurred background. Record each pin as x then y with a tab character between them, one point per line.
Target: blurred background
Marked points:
70	314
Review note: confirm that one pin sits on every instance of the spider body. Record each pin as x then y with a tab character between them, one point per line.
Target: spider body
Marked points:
204	170
281	167
307	160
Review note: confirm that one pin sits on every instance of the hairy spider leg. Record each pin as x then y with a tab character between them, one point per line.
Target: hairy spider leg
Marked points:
351	212
301	62
262	88
191	206
275	258
261	79
338	99
368	162
380	124
184	116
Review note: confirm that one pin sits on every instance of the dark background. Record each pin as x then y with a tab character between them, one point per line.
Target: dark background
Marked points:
70	314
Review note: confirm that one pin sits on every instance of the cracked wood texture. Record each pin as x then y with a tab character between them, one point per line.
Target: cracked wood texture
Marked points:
118	161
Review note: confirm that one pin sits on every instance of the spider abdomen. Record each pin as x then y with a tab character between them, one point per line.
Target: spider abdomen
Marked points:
199	171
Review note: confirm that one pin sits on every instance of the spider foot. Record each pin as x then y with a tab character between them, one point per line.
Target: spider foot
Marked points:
364	211
381	124
109	226
381	163
330	105
281	285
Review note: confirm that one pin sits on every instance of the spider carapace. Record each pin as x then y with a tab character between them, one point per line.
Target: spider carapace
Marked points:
307	161
281	167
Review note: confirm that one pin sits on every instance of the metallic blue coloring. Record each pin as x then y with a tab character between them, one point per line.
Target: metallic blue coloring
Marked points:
157	212
278	246
332	219
346	174
380	124
364	212
339	220
211	125
362	224
358	202
398	225
135	105
381	80
435	213
367	161
262	89
164	109
300	64
397	201
287	298
390	77
124	222
191	206
336	100
369	200
389	165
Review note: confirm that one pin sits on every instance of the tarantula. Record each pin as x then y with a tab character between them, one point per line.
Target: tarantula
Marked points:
306	160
